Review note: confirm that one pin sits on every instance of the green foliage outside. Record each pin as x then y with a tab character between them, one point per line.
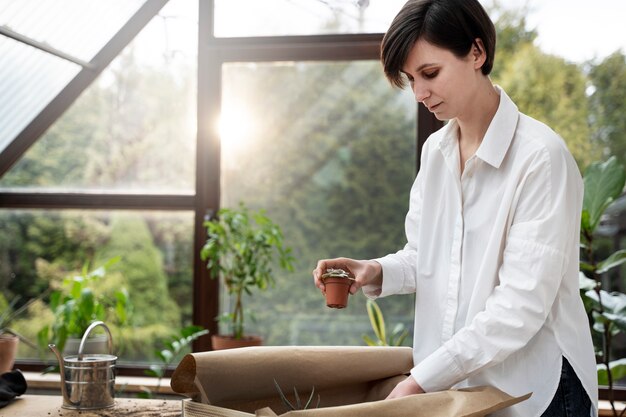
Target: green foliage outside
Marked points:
140	268
604	183
147	278
608	105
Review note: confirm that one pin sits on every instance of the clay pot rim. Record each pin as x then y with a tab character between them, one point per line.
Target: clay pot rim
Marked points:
8	336
232	337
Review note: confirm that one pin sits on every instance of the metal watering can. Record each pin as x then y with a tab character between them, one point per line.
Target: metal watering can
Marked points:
87	380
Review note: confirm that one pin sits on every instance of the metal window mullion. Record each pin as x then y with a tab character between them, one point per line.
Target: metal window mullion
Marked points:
44	47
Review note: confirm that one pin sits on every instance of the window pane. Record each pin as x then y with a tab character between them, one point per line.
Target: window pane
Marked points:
29	80
134	128
76	27
155	267
302	17
332	163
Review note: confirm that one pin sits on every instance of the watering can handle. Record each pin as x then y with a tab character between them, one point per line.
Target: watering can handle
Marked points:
89	329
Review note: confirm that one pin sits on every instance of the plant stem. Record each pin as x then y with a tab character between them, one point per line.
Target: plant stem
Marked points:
238	317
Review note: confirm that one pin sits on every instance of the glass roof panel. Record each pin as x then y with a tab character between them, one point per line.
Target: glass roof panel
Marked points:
303	17
77	27
29	80
133	129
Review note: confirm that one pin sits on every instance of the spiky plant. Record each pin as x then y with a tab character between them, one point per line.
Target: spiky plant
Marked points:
298	405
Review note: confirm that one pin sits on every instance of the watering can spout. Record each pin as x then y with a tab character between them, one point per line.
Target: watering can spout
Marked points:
56	352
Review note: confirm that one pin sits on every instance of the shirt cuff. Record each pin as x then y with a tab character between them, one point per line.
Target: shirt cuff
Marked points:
393	278
437	372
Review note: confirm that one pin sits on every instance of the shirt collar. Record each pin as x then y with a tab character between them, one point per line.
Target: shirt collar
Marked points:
500	133
498	137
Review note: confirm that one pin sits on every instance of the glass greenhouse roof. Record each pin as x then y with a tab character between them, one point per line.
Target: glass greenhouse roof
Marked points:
30	77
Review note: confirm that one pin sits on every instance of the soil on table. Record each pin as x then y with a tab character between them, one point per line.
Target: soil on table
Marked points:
125	407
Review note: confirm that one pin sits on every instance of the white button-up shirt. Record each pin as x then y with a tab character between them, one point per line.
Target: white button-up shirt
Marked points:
492	257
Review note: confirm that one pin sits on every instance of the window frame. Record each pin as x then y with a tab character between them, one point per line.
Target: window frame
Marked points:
213	52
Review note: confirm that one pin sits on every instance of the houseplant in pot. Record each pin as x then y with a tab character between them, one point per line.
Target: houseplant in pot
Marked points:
78	303
604	183
242	247
336	287
9	338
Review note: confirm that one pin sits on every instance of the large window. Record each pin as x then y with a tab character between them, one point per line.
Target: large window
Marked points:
113	177
332	163
121	173
154	267
239	18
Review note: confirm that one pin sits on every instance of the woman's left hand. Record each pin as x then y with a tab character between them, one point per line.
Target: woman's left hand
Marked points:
404	388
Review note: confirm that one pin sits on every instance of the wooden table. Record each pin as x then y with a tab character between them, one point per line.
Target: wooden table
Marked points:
50	406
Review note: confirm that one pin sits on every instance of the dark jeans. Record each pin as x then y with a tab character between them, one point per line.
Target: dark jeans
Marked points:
570	399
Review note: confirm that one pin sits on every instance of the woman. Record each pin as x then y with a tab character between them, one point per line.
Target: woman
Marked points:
492	228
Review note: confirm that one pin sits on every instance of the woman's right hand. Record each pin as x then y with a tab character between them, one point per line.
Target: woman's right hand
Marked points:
364	272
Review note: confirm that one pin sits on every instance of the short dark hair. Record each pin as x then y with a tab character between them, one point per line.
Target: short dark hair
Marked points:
450	24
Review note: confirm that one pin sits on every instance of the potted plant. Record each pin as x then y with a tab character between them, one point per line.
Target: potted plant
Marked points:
9	338
336	287
604	182
241	247
76	305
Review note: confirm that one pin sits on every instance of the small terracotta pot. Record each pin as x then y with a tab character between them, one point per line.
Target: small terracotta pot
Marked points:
337	291
221	342
8	350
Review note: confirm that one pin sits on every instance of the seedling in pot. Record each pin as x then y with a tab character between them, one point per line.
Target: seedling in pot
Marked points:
337	284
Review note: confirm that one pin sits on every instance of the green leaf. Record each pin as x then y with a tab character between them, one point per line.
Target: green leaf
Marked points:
585	225
604	182
297	397
619	320
369	341
165	355
151	372
398	335
618	371
585	283
587	267
377	320
283	397
612	261
190	330
145	393
308	403
614	302
42	338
